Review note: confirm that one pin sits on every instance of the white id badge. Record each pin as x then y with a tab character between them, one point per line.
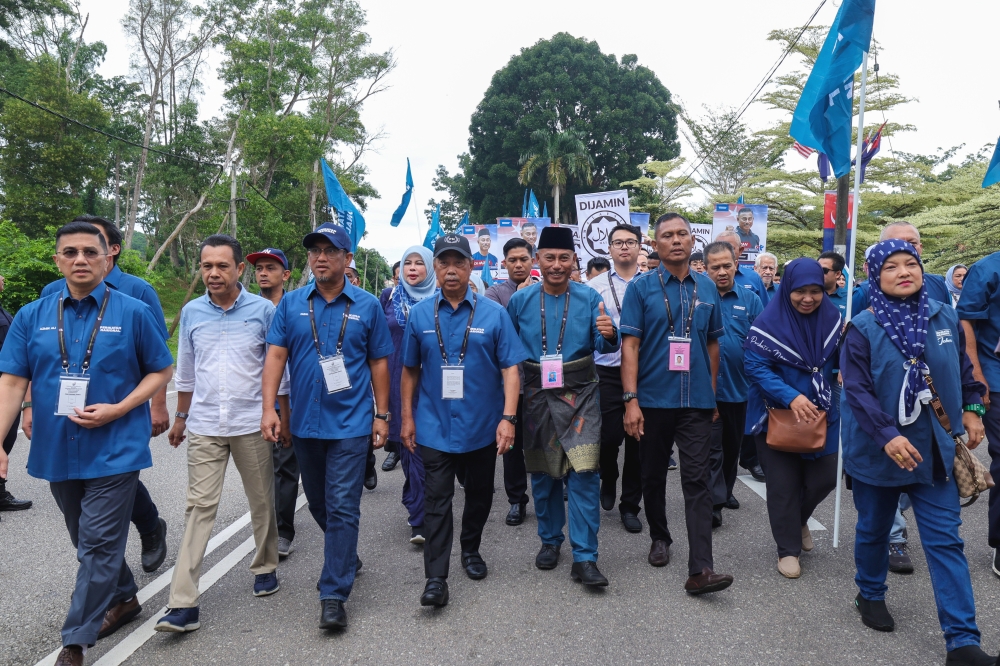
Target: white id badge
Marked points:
452	382
335	373
72	393
552	371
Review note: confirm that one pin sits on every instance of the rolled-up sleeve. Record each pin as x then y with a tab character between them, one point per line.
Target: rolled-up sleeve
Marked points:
859	389
184	376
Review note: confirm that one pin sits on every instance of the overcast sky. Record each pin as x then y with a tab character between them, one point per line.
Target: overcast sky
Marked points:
706	53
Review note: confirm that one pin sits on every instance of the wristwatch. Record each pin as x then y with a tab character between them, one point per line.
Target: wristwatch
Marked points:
628	397
181	415
975	408
25	405
385	417
511	418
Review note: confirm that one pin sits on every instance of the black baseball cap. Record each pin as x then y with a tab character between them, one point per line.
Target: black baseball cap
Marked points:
452	243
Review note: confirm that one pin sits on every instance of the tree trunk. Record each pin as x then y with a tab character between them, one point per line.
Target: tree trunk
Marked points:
141	167
314	192
555	194
843	211
118	192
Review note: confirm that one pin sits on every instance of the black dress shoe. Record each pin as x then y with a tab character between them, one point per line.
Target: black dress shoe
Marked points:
548	557
874	614
516	514
390	462
332	614
154	547
970	655
475	567
371	480
588	574
732	503
717	516
435	593
631	522
607	497
10	503
757	472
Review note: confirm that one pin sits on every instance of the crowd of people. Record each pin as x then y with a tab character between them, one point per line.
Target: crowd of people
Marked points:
683	359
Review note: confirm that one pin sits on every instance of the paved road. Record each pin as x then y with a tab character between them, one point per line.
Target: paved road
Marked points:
517	615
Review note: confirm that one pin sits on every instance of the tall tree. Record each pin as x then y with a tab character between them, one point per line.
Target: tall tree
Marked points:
558	158
661	188
452	205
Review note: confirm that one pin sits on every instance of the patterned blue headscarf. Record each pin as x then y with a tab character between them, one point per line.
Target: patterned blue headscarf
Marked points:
405	295
904	320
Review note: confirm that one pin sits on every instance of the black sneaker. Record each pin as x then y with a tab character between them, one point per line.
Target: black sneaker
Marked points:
874	614
672	465
10	503
417	534
154	547
899	559
970	655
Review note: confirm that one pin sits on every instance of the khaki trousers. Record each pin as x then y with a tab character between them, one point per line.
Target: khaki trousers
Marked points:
207	461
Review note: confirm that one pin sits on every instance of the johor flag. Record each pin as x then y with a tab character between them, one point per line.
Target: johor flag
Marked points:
397	217
348	215
533	210
869	149
993	173
435	231
825	110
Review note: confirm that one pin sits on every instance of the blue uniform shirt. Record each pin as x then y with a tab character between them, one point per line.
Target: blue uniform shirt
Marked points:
980	304
747	278
460	426
128	347
315	413
739	309
839	298
582	337
129	285
644	316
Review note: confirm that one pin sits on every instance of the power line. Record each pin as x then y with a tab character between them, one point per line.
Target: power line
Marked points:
283	212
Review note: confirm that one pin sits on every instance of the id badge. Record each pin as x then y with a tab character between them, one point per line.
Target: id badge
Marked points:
72	393
452	382
335	373
680	355
552	371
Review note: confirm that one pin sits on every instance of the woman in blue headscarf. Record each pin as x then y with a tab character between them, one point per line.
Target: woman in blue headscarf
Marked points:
416	282
953	279
894	443
790	358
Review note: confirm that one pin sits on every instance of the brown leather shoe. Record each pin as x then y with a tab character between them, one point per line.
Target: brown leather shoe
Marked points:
659	553
707	581
118	616
71	655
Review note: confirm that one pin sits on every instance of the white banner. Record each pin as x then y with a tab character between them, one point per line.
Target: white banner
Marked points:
596	215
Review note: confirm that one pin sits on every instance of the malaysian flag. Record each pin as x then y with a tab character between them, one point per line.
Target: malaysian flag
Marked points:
804	151
870	148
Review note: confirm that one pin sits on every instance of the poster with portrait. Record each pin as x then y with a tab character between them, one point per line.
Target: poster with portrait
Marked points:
596	215
702	234
526	228
483	241
749	221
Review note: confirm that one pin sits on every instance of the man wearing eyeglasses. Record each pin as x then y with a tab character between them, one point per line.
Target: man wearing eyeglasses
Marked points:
95	357
833	265
624	246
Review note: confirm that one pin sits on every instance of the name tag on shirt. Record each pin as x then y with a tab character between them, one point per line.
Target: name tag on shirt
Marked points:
680	355
552	371
452	382
72	393
335	373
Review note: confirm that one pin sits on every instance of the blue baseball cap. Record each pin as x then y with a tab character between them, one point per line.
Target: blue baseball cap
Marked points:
271	253
331	232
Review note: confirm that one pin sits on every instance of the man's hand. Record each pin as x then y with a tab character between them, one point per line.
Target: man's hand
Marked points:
285	436
505	437
903	453
605	325
634	421
804	410
176	434
408	434
527	283
979	377
973	425
270	425
94	416
380	433
161	418
26	422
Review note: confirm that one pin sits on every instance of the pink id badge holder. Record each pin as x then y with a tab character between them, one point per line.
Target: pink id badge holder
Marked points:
552	371
680	354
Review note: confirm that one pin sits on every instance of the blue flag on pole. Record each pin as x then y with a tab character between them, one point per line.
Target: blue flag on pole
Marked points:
435	231
993	172
825	110
524	205
545	209
397	217
347	214
532	205
464	221
486	275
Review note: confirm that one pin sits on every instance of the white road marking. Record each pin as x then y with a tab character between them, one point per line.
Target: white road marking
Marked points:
143	633
761	490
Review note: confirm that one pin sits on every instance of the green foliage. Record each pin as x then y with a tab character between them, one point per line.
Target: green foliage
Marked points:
26	264
454	185
558	158
373	270
661	187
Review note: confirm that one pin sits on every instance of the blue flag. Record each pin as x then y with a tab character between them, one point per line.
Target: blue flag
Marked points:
545	209
347	214
397	217
435	231
823	162
524	205
993	172
739	199
532	205
464	221
825	110
486	275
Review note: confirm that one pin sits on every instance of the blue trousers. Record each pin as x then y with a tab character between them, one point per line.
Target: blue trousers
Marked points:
938	514
584	491
333	475
413	485
899	522
992	423
144	513
97	513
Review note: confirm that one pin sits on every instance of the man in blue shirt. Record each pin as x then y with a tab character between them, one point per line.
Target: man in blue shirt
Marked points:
484	241
95	357
561	324
979	310
671	325
766	266
336	341
463	352
833	265
746	277
739	309
145	516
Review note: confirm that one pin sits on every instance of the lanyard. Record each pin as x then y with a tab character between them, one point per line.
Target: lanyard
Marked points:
343	327
93	334
468	329
666	301
614	294
562	329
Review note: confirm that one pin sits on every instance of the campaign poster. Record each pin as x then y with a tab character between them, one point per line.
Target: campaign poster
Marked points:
596	215
749	221
830	221
483	241
702	234
526	228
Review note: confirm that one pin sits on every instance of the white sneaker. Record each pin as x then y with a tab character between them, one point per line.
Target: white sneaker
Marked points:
285	547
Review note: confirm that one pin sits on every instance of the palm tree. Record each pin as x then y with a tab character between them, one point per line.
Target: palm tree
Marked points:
562	155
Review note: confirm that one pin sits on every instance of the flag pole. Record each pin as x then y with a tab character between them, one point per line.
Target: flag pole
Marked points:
850	278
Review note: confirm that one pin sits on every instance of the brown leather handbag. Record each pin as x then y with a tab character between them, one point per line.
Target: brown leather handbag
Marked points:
786	434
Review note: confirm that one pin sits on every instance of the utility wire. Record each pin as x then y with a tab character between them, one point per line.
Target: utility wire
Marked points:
260	194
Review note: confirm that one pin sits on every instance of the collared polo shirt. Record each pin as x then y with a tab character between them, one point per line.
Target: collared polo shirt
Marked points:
739	309
582	337
459	426
129	285
128	347
220	358
317	414
747	278
980	304
644	316
604	284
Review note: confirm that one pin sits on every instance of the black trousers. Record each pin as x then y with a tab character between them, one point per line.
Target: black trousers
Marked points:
691	430
748	453
8	446
515	478
795	487
439	491
286	489
612	436
727	440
